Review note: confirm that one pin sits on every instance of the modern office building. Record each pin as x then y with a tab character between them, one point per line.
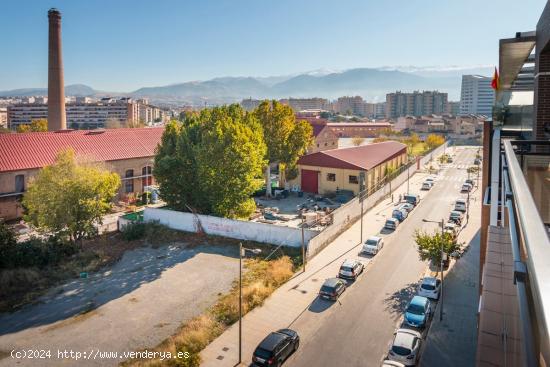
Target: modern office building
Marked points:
415	104
84	114
514	300
476	95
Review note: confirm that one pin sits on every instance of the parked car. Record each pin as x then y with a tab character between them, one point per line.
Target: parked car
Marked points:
430	288
460	205
351	269
332	288
275	348
388	363
466	187
426	185
412	199
456	217
430	179
405	346
477	161
391	223
418	312
372	245
451	228
400	214
449	159
407	206
470	181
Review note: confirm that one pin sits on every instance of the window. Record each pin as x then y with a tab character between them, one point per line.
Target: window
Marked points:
331	177
19	183
148	179
129	182
353	180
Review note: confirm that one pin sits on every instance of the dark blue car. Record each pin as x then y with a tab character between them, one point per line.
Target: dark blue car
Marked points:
418	312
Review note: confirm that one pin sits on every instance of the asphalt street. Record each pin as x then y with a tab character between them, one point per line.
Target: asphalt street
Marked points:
358	329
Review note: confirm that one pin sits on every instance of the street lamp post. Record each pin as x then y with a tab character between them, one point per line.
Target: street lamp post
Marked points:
442	223
242	251
303	247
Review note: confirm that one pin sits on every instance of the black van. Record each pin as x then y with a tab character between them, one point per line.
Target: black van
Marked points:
412	199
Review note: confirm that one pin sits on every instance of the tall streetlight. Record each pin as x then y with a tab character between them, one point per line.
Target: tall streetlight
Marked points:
242	252
442	223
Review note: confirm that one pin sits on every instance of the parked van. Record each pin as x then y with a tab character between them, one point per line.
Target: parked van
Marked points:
412	199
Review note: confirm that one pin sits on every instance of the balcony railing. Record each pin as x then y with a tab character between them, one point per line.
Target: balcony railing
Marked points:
530	248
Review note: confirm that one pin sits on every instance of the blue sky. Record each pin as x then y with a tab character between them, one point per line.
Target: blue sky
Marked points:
121	45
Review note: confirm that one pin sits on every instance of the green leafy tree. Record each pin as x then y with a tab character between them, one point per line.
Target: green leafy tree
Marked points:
286	139
433	140
357	140
429	246
38	125
69	198
211	162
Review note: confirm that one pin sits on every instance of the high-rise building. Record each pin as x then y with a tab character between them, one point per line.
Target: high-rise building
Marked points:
454	108
476	95
415	104
354	106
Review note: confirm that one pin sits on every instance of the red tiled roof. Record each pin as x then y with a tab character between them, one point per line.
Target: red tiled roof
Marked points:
358	158
35	150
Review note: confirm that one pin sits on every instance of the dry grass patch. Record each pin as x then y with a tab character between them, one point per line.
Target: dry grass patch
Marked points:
260	280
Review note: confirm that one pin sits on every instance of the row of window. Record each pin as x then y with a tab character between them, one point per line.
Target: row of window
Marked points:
351	178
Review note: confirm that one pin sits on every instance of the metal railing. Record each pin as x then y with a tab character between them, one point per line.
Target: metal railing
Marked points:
531	273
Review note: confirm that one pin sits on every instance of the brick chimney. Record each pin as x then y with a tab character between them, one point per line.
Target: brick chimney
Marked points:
56	92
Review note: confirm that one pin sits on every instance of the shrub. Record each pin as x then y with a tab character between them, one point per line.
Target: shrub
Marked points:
35	252
134	231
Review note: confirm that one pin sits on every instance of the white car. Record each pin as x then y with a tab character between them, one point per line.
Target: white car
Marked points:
405	347
460	205
391	223
388	363
466	187
351	269
372	245
426	185
451	228
430	288
406	206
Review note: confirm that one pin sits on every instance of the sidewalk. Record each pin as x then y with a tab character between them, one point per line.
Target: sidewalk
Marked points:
288	302
452	341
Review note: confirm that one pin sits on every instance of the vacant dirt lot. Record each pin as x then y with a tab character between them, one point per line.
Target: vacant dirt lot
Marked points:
136	303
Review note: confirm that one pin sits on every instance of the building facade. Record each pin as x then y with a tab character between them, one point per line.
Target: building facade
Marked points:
301	104
340	169
126	152
84	114
476	95
358	129
416	103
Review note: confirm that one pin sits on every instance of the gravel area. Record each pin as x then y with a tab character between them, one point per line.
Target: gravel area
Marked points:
135	304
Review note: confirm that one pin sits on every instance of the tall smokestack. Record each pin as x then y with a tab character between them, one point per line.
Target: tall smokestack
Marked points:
56	92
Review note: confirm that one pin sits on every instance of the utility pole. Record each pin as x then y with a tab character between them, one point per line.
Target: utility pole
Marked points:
408	177
240	300
303	248
441	295
361	198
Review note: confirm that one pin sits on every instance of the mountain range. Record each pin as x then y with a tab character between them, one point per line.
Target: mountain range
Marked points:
370	83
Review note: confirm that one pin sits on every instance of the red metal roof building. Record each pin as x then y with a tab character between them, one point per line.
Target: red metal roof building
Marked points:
127	152
329	170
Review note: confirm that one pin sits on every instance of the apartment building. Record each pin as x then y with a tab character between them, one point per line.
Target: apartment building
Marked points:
86	114
354	106
301	104
514	300
3	117
453	108
476	95
416	103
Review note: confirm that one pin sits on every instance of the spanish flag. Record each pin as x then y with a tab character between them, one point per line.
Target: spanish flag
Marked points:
495	83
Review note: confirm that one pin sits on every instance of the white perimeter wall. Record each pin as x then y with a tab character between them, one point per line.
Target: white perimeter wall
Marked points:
243	230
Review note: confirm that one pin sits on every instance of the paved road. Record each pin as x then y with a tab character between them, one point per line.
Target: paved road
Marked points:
357	330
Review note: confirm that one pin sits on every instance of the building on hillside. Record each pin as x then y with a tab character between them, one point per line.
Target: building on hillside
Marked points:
250	104
127	152
476	95
340	169
416	103
359	129
301	104
453	108
3	117
86	114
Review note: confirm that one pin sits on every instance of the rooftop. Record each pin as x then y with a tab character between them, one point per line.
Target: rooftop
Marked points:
363	157
39	149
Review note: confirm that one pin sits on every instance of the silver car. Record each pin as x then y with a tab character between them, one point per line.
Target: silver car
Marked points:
405	347
430	288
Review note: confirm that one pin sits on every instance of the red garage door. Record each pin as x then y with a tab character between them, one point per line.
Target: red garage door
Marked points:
310	181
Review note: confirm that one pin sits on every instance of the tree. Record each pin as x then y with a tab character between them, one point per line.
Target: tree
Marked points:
380	139
5	130
113	123
433	140
286	139
211	162
390	171
324	114
357	140
70	198
429	246
38	125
